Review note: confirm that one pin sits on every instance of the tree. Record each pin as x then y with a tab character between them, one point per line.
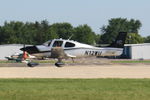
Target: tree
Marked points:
133	38
84	34
12	32
3	36
52	34
30	33
134	26
116	25
63	30
147	39
41	30
97	38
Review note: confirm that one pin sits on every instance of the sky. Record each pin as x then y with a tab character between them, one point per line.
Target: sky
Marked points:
95	13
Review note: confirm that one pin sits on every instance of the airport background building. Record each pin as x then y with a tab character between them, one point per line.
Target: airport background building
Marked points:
9	49
137	51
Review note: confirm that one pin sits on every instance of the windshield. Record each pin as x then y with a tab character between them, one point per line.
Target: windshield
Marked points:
48	43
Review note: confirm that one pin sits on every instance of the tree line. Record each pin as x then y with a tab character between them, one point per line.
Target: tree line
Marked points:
39	32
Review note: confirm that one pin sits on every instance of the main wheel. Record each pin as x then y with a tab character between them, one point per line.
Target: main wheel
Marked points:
59	64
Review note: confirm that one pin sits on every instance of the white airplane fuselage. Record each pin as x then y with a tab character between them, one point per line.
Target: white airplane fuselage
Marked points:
73	49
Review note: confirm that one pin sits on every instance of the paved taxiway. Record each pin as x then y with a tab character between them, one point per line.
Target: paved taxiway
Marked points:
78	71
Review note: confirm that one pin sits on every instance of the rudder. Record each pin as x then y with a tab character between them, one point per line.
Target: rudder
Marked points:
120	40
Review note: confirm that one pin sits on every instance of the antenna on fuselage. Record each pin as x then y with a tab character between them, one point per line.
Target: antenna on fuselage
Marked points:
70	37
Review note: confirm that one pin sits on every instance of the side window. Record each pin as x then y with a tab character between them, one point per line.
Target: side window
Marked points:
48	43
57	43
68	44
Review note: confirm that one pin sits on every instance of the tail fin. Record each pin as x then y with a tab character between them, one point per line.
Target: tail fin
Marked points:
120	40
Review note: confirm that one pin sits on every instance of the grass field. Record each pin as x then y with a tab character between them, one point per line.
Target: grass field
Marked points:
37	61
74	89
65	61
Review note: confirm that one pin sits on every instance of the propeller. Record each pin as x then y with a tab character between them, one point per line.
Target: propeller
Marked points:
25	56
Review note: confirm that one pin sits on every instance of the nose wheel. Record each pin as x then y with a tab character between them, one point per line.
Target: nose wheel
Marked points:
32	64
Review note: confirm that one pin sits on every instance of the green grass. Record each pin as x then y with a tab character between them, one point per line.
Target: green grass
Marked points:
50	61
74	89
132	61
8	61
37	61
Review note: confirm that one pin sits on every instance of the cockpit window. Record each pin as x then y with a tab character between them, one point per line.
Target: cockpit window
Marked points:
48	43
57	43
68	44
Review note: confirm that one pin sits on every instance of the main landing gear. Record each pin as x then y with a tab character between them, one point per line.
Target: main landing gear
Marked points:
59	63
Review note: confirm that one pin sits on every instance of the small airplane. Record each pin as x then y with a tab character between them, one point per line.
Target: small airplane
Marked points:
62	49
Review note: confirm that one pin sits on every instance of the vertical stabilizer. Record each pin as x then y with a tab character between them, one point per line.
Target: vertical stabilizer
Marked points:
120	40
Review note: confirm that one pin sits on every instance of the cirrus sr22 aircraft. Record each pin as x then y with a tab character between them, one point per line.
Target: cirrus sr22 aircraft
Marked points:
61	49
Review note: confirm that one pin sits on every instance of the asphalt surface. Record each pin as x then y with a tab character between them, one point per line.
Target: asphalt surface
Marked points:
77	71
90	67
